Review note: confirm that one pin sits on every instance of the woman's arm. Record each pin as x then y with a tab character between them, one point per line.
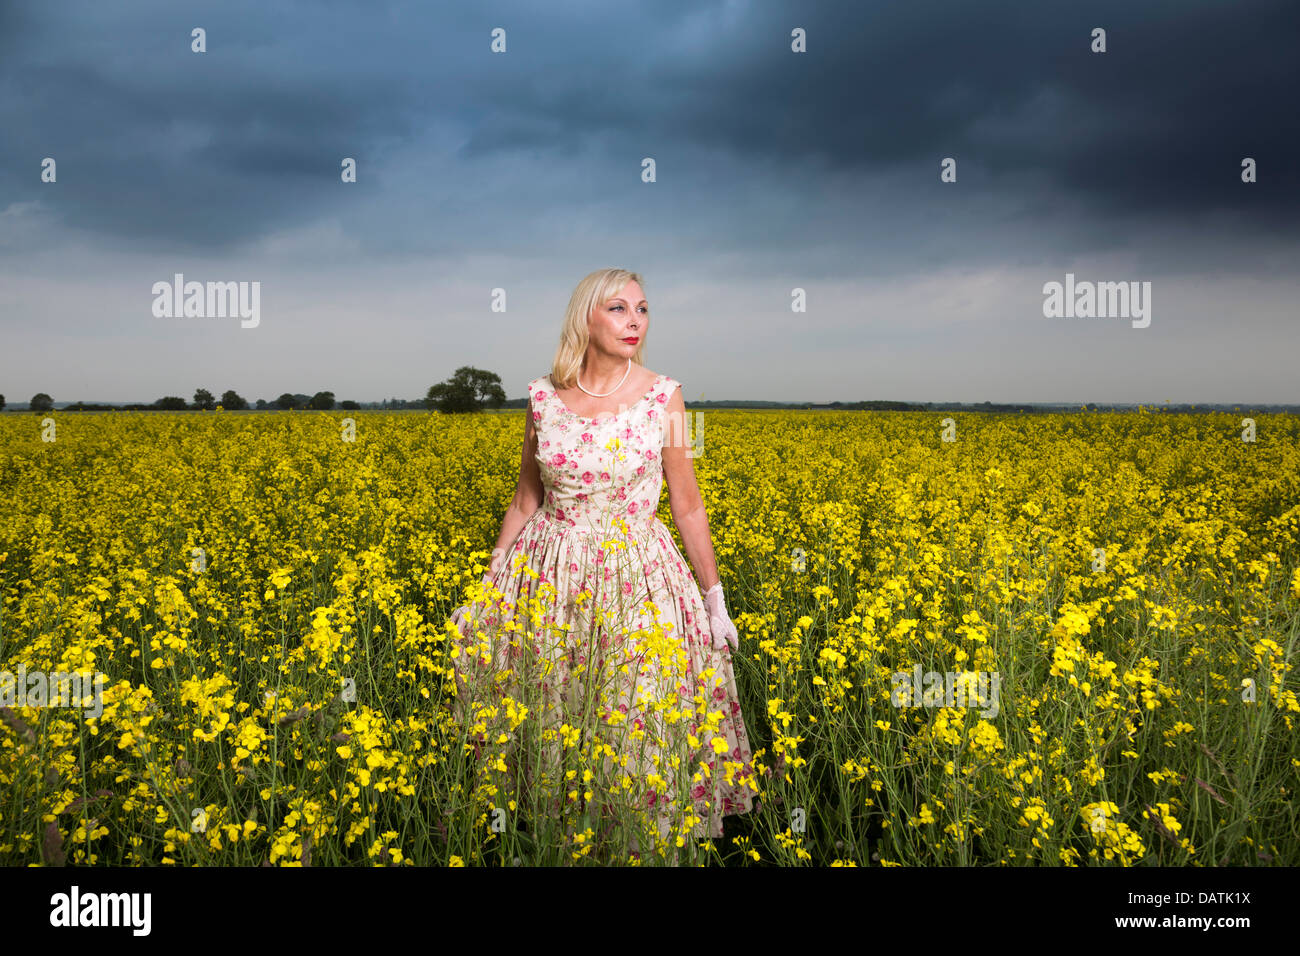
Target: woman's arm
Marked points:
684	498
528	492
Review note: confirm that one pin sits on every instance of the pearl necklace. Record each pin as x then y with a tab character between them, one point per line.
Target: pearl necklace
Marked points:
612	390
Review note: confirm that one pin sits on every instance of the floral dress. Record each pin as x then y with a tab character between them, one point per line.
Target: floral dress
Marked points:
599	611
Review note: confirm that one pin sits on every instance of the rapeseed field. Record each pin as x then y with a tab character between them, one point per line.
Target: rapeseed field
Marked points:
1036	640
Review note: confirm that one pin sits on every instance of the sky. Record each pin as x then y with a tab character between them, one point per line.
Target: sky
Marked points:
775	169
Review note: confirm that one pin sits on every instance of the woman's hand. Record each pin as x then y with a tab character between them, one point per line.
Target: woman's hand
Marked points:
724	632
461	615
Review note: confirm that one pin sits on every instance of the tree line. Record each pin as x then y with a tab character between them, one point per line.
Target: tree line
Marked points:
468	390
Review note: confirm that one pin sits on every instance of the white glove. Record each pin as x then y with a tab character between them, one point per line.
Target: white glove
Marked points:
464	623
461	616
724	632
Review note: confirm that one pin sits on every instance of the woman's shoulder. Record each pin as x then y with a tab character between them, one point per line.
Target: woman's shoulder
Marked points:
540	387
664	384
661	393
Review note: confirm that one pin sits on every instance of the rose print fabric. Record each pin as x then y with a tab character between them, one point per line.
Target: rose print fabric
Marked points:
600	610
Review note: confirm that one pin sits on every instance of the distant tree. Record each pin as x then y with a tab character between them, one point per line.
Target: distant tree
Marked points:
232	402
286	401
262	405
347	405
203	400
41	402
2	403
468	390
323	401
171	403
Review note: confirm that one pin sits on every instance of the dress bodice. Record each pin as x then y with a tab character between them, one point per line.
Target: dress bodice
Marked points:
599	469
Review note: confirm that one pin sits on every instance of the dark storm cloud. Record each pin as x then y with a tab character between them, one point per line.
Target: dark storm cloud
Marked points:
157	143
1156	126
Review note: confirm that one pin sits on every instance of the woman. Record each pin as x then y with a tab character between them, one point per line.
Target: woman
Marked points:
589	604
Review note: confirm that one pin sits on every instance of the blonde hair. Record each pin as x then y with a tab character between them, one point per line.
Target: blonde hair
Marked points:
592	290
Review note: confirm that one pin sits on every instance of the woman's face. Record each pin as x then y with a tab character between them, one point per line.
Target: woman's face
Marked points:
618	325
